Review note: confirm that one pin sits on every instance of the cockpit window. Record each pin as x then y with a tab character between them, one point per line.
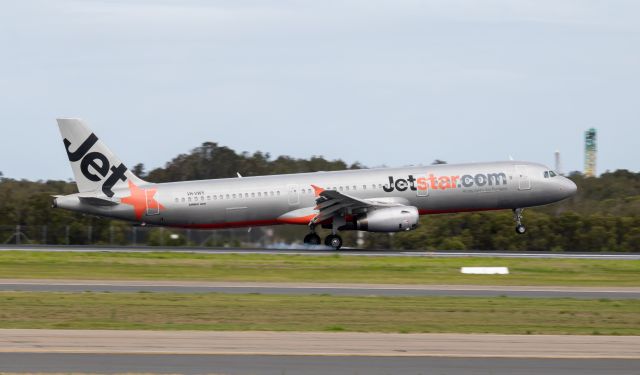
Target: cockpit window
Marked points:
546	174
552	173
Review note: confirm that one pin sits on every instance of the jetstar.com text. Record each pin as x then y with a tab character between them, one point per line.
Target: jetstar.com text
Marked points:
445	182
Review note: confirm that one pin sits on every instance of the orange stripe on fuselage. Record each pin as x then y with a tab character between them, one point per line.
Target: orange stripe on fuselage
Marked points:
304	220
434	212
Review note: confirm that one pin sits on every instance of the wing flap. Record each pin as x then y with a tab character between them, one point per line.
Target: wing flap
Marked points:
330	203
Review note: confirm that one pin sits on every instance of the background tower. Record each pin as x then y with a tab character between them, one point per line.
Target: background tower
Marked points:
558	168
590	151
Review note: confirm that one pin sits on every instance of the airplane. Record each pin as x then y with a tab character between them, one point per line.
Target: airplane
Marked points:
374	200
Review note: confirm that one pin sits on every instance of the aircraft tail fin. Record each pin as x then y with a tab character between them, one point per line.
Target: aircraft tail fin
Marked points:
95	168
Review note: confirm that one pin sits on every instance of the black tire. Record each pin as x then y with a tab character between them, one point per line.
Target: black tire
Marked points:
520	229
333	240
312	239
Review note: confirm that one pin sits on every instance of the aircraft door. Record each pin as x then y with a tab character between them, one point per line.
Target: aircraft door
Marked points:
294	197
153	207
524	181
423	192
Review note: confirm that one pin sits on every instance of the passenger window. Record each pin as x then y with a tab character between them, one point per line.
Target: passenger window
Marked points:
177	200
183	200
272	193
233	196
355	187
215	197
189	199
259	194
346	188
208	197
253	195
221	197
364	187
227	196
546	174
202	198
278	192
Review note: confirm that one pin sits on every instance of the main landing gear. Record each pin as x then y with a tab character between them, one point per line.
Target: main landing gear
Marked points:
332	240
517	216
312	239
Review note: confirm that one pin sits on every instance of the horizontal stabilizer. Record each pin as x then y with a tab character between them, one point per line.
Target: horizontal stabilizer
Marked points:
95	201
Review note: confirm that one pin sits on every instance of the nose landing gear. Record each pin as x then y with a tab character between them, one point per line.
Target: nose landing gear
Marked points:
517	216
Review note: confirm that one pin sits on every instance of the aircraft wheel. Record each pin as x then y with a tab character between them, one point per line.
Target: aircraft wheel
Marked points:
333	240
520	229
312	239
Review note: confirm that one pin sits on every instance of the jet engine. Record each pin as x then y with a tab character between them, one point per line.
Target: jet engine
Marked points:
389	219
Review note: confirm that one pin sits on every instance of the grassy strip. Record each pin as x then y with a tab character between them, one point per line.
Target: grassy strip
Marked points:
170	311
304	268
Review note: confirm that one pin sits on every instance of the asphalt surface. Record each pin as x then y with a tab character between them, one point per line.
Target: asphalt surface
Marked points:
318	344
306	365
34	285
323	250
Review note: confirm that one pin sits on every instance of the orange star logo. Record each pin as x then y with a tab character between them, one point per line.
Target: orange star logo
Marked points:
141	200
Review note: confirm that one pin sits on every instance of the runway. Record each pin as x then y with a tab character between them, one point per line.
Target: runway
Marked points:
262	343
403	290
307	365
198	352
322	250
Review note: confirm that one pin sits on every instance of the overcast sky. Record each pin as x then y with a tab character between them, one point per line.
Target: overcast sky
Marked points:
380	82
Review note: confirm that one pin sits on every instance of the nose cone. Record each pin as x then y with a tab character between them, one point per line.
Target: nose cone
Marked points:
569	188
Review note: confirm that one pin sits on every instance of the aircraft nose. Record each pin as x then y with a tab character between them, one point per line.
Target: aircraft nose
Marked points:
569	188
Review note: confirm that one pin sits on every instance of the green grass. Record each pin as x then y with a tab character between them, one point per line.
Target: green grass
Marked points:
304	268
170	311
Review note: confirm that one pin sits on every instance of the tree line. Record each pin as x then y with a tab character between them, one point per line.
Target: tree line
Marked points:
603	216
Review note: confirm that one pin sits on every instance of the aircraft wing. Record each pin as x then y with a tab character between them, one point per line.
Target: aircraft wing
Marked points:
331	202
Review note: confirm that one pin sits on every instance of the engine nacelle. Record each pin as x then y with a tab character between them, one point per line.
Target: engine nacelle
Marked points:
390	219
